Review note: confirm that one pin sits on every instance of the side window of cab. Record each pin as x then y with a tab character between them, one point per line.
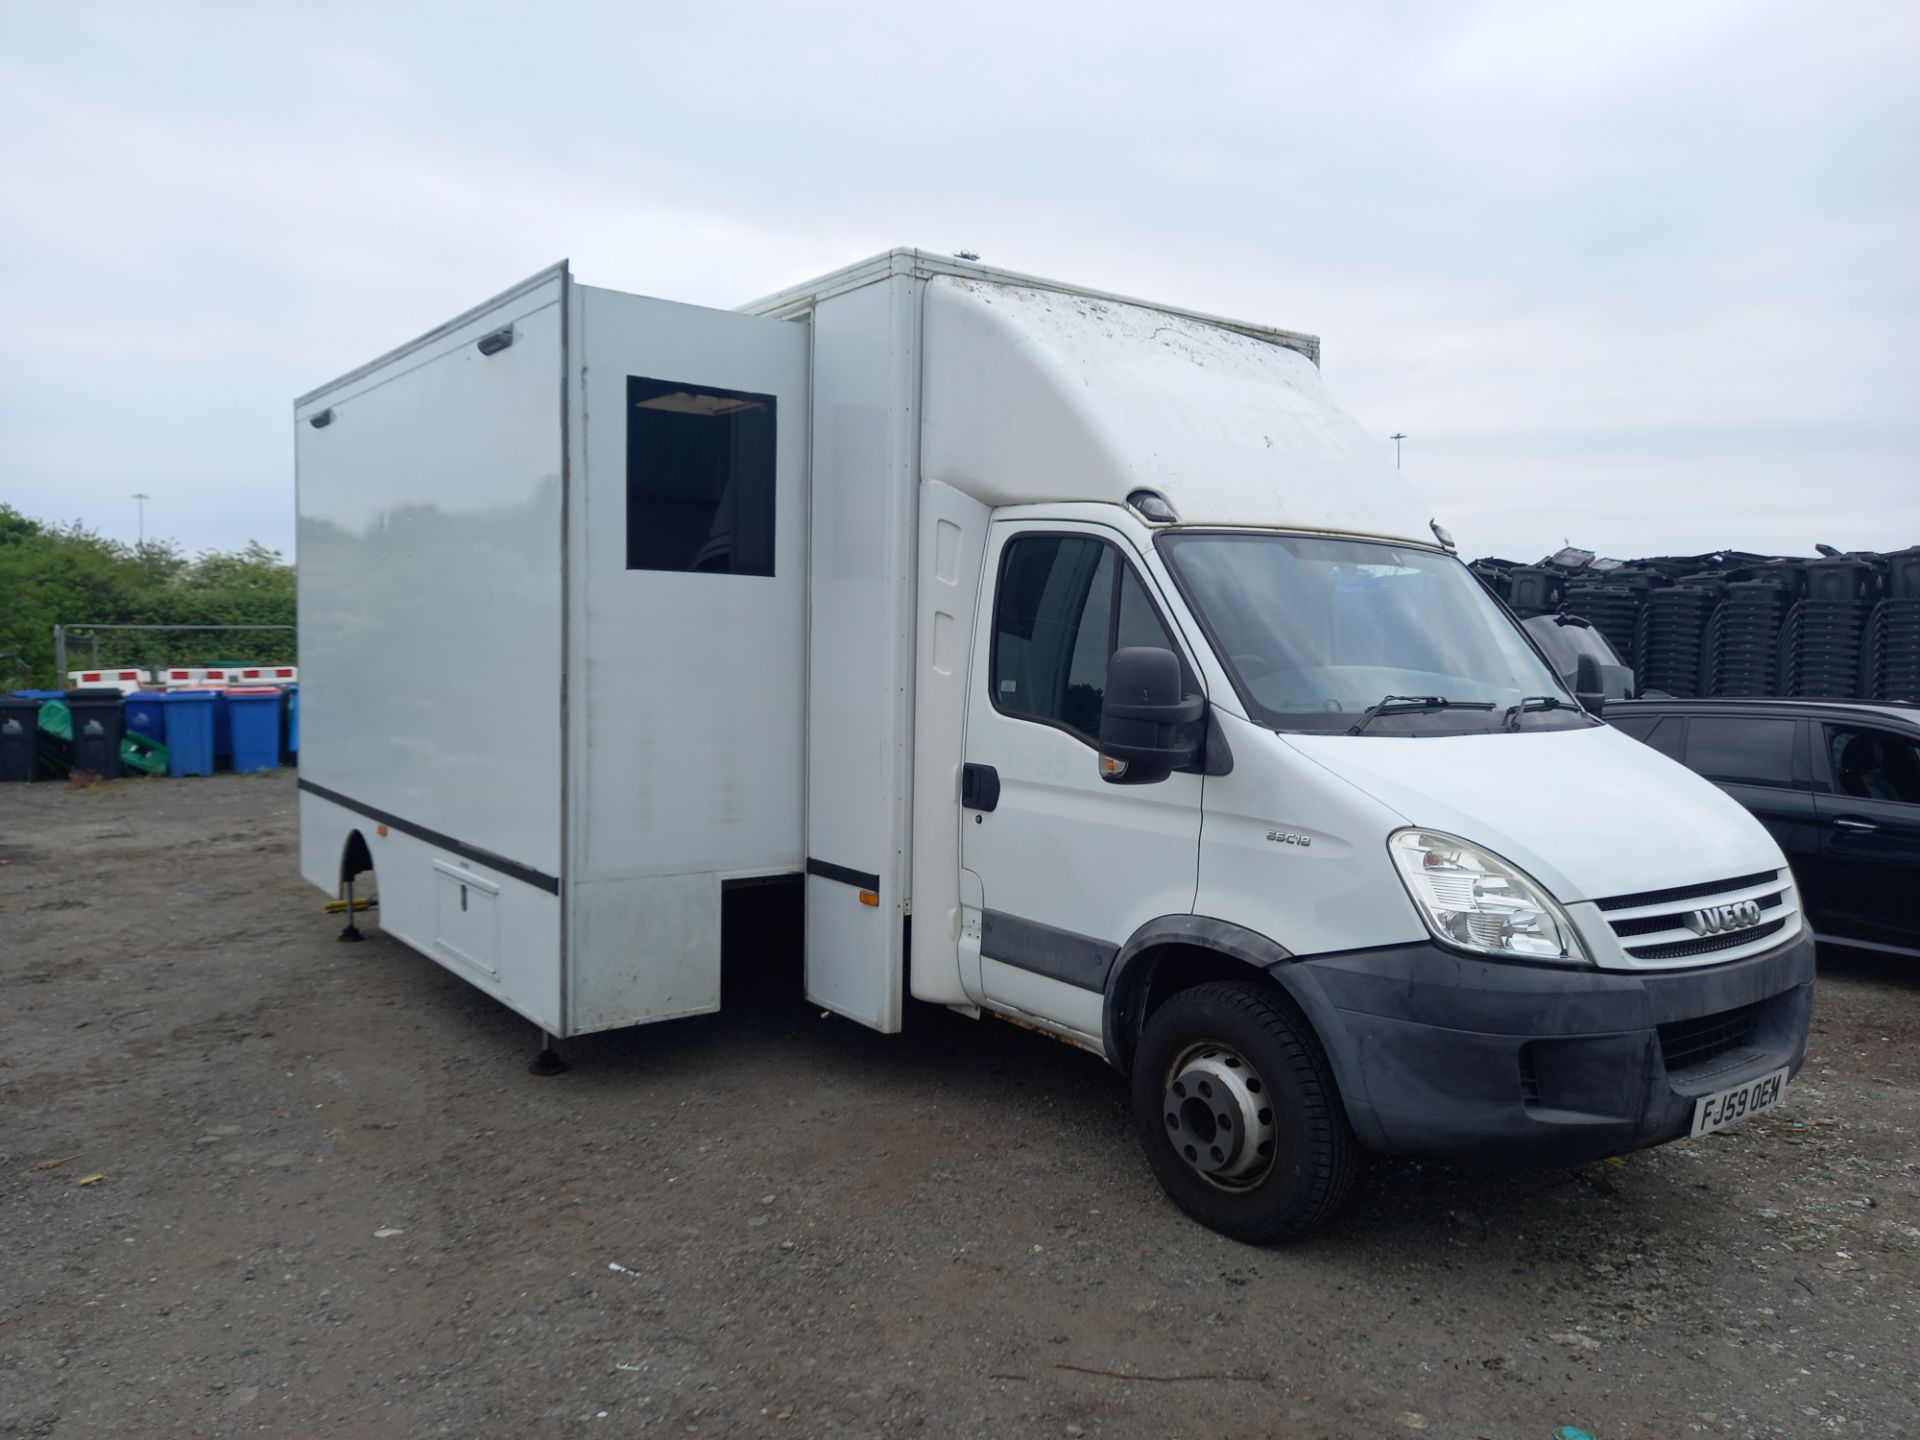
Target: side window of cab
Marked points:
1064	604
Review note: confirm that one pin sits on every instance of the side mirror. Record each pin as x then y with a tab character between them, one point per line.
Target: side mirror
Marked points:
1588	686
1148	727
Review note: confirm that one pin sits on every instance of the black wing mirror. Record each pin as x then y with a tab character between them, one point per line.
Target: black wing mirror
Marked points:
1588	686
1148	726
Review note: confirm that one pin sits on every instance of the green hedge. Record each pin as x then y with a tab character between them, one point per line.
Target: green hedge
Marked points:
68	574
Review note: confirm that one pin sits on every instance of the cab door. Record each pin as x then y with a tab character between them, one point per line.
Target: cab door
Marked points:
1060	866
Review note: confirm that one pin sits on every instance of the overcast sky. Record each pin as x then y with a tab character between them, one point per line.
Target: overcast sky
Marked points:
1644	277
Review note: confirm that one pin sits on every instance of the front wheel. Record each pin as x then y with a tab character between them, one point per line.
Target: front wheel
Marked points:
1237	1111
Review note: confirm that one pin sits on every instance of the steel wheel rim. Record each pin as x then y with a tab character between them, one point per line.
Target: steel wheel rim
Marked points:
1218	1114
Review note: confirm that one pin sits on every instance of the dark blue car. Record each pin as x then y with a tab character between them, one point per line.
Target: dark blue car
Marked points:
1838	784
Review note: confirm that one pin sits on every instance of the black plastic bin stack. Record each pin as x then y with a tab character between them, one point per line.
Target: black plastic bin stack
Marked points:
1535	590
1743	648
1897	647
1616	605
1495	574
1826	645
1676	633
99	724
19	730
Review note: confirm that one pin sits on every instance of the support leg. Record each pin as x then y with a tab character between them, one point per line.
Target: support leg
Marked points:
547	1062
352	932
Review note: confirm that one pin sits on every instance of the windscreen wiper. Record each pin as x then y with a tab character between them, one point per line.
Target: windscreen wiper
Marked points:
1534	702
1413	705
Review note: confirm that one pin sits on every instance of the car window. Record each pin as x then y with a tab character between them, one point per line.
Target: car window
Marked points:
1065	604
1662	733
1874	764
1668	735
1741	751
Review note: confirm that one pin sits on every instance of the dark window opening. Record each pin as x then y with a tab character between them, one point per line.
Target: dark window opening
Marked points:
1065	604
1742	752
700	478
1668	735
1874	765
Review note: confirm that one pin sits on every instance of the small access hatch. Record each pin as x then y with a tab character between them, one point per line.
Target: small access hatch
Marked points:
465	925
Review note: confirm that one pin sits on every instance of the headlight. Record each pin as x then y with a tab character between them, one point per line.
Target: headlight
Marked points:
1477	901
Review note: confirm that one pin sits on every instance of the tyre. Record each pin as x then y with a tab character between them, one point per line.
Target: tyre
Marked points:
1236	1107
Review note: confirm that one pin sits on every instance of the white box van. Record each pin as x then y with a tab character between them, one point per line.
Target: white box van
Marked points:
1083	662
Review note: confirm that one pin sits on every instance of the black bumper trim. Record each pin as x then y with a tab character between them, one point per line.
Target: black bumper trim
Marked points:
526	874
1439	1054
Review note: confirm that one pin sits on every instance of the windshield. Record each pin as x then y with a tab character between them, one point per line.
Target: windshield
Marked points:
1315	630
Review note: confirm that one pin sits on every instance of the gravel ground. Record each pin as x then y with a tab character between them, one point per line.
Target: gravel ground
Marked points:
252	1181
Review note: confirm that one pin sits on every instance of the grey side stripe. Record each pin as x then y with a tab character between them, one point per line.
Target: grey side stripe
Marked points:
1046	950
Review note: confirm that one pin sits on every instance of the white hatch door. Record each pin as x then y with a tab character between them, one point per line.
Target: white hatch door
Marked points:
860	652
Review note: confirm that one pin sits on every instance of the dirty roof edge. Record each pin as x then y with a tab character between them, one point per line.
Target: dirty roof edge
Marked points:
797	300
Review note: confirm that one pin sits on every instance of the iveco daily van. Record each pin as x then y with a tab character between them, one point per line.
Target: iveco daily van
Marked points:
1078	659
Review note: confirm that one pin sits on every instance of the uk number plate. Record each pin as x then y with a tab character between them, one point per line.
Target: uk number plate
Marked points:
1711	1112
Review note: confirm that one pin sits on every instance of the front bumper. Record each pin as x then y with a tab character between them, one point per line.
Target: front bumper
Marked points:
1440	1054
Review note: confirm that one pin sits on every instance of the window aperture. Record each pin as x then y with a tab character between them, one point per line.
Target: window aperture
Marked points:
700	478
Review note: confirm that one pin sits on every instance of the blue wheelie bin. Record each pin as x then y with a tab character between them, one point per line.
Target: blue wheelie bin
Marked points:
147	714
291	741
189	715
254	712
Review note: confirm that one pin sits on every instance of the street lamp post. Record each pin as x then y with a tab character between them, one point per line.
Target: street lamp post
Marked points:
1397	437
142	497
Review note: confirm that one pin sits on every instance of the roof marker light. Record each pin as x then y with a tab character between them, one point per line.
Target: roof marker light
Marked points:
1152	507
1442	534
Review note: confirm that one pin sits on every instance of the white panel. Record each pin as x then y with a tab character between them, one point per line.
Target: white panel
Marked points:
1037	395
415	878
953	535
429	549
1049	1002
686	700
860	635
1323	881
651	948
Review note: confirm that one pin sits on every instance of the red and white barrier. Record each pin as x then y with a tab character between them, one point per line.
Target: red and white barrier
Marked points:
125	681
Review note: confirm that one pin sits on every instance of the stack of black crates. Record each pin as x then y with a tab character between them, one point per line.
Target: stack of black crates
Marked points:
1730	623
1894	645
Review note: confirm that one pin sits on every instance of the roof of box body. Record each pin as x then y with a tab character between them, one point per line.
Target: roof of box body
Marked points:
797	300
1035	392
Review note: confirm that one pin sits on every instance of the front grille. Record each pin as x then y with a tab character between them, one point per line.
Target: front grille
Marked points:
1678	949
1658	918
1686	892
1690	1044
1654	924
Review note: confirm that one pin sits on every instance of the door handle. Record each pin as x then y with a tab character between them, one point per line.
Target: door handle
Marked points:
979	786
1846	822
